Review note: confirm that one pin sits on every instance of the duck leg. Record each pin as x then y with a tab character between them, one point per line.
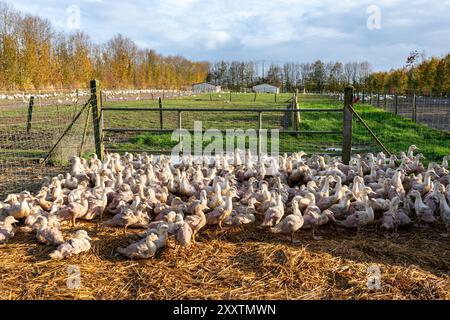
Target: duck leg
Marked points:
73	219
294	240
313	230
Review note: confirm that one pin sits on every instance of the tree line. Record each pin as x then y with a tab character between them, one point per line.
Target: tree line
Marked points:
33	55
419	76
318	76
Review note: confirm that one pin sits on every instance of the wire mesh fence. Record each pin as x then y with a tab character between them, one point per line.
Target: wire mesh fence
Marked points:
25	141
28	134
431	111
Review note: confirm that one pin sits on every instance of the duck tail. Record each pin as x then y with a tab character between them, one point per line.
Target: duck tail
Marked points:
275	230
56	255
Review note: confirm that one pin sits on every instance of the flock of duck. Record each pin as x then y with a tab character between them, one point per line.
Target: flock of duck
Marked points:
179	199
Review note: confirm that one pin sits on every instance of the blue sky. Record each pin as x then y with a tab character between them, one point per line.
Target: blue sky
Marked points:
270	30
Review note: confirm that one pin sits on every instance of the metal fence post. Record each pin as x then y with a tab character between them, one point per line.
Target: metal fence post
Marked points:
347	125
414	108
363	97
160	113
378	99
96	119
385	101
30	113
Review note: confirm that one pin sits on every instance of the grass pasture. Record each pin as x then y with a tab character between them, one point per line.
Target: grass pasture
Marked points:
396	133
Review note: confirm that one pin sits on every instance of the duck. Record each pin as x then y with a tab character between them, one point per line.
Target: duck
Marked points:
21	209
274	214
184	234
75	245
314	218
444	209
48	234
291	223
198	220
358	219
423	212
390	220
220	213
130	218
7	230
74	210
341	209
147	247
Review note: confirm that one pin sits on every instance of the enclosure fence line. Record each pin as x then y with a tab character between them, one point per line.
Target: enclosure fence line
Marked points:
429	110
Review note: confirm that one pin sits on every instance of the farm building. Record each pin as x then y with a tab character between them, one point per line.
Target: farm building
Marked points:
205	87
266	88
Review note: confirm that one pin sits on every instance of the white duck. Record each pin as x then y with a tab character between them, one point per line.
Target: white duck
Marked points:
73	246
291	223
7	229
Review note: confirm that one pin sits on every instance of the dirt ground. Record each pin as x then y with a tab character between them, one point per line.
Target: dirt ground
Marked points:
240	263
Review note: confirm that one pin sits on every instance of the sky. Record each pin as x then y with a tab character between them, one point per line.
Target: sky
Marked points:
275	31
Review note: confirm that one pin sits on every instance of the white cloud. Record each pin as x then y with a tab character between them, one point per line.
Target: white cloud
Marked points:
262	29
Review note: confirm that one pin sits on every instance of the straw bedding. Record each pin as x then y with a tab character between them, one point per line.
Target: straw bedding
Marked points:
239	263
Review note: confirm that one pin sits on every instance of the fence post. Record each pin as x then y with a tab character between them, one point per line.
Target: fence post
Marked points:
363	97
378	99
160	113
396	104
259	132
275	97
230	95
347	126
254	99
385	101
414	108
297	118
30	113
179	128
96	119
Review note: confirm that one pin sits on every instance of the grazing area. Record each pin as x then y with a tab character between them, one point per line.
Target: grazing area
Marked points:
139	227
395	132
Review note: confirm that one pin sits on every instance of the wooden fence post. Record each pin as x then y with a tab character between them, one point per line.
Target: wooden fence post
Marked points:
414	108
396	104
30	113
363	97
96	119
385	101
378	99
179	128
259	132
347	125
210	96
275	97
254	99
297	117
160	113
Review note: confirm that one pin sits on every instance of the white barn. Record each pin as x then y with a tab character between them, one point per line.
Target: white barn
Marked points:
205	87
266	88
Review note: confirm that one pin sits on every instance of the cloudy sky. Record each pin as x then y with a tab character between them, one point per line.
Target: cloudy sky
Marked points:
270	30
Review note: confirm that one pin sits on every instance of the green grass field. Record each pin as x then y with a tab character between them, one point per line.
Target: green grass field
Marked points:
49	122
396	133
